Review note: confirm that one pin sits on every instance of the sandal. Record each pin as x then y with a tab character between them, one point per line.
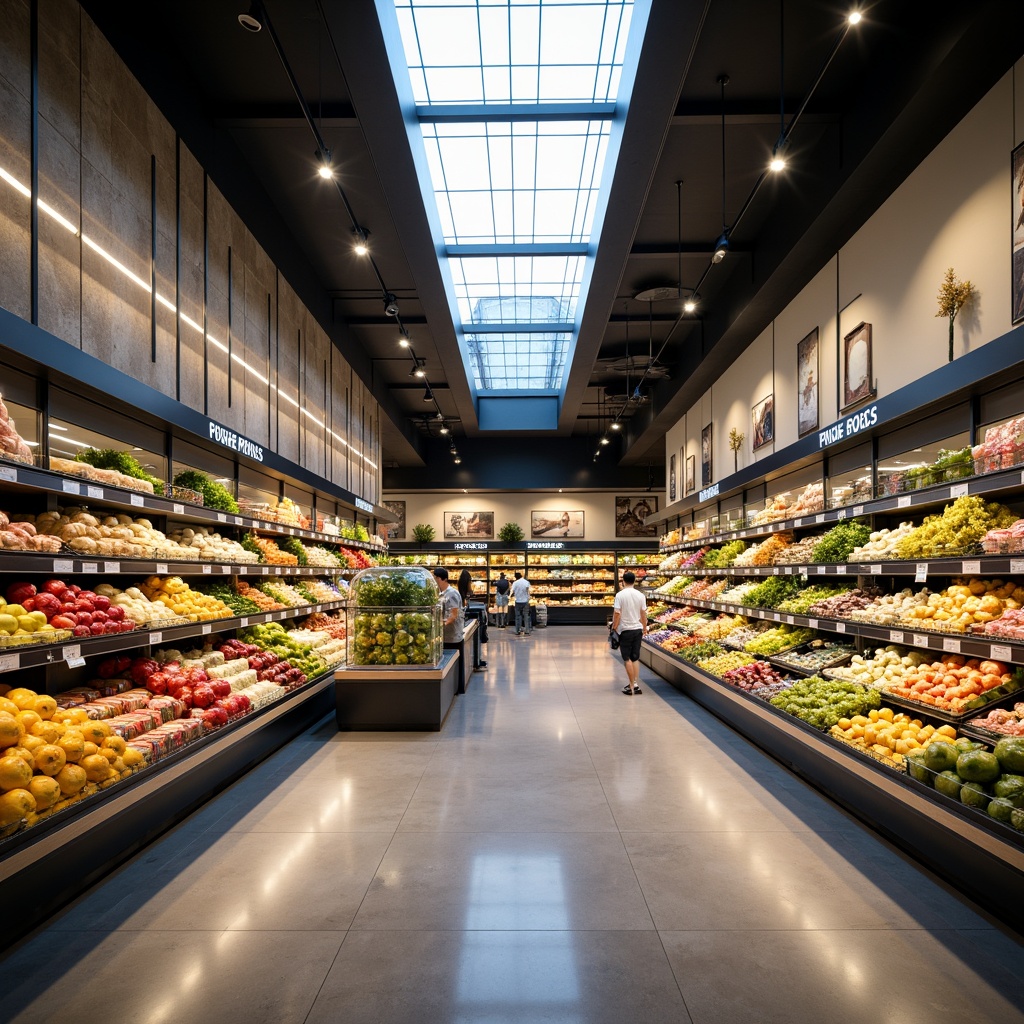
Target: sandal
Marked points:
629	692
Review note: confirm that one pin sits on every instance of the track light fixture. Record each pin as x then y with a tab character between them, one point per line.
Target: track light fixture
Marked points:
616	426
360	248
403	337
721	248
690	305
251	20
604	440
428	395
390	304
854	17
444	429
323	158
457	460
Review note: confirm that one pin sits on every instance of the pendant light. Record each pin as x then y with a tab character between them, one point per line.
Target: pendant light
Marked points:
689	303
778	161
722	245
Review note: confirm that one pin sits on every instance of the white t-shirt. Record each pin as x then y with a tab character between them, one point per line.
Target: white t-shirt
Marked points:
521	590
629	603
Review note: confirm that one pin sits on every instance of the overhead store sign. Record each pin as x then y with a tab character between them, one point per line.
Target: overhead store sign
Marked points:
363	504
545	545
848	427
474	545
237	443
709	492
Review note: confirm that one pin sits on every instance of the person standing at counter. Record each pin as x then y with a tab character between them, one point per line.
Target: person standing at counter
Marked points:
521	596
452	613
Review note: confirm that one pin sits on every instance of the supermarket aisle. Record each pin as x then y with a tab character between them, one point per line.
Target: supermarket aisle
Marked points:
559	852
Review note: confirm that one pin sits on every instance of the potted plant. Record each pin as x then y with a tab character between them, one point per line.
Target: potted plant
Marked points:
423	533
953	296
510	533
735	443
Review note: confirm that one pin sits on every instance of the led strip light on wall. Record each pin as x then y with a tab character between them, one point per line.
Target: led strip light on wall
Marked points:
145	286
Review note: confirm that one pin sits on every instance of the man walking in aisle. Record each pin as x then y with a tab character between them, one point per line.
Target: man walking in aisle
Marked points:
629	620
521	597
501	589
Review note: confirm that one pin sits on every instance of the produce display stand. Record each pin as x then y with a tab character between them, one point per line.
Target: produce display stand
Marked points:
469	653
937	832
45	866
407	698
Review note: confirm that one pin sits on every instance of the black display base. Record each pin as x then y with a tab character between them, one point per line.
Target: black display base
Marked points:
389	701
578	615
47	870
936	832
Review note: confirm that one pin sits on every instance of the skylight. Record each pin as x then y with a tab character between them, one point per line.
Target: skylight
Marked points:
516	100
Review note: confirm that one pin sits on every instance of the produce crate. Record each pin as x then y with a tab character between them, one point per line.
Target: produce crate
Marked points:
898	767
53	636
187	494
834	653
956	719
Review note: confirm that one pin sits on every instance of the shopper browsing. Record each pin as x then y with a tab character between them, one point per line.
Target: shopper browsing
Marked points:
501	589
629	620
451	607
521	597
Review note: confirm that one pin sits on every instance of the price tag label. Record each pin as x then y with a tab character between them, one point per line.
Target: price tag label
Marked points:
10	662
951	645
9	474
813	623
221	517
111	566
776	616
70	487
858	510
207	569
820	518
94	492
921	572
75	662
63	565
790	570
1022	478
920	641
895	636
789	619
1000	653
71	651
265	570
318	608
903	501
161	568
798	522
971	568
237	520
958	490
90	567
179	509
282	615
243	622
207	628
1017	565
775	570
875	570
291	532
841	514
225	568
820	570
840	627
156	638
136	499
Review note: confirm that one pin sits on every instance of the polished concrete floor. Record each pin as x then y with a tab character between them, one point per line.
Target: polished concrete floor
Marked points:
558	852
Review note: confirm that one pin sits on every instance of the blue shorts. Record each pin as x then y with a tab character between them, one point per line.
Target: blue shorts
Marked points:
501	600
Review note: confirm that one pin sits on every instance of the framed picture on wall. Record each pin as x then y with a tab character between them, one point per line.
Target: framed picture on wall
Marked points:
672	478
857	381
469	526
764	422
545	523
705	457
631	515
396	531
807	383
1017	256
691	464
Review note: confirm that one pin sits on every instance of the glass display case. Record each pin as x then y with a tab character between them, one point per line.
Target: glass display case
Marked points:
394	618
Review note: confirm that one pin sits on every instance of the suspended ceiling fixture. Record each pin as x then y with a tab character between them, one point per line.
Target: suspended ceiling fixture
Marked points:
519	105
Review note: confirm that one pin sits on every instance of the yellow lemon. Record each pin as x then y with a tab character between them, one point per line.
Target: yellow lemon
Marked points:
23	752
89	748
32	742
10	731
133	757
116	743
15	772
23	697
47	731
15	805
95	731
73	743
44	706
45	791
50	759
97	767
28	719
9	706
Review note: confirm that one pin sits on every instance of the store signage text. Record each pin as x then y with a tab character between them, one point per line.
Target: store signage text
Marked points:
842	429
545	545
361	503
709	492
237	443
473	545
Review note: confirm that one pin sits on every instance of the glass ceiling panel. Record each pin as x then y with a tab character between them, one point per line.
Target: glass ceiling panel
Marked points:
512	184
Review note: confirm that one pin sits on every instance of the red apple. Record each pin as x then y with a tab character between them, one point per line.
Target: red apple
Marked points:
55	587
101	602
83	604
82	631
115	612
96	629
63	622
84	618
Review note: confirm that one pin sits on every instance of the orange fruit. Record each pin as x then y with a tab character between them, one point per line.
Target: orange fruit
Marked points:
15	772
73	743
45	791
115	743
47	731
109	753
71	778
10	731
50	759
133	757
90	748
23	752
16	804
28	719
32	742
23	697
9	706
95	731
97	767
44	706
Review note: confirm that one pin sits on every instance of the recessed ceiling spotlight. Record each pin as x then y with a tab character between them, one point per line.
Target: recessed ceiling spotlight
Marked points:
457	460
853	19
616	426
